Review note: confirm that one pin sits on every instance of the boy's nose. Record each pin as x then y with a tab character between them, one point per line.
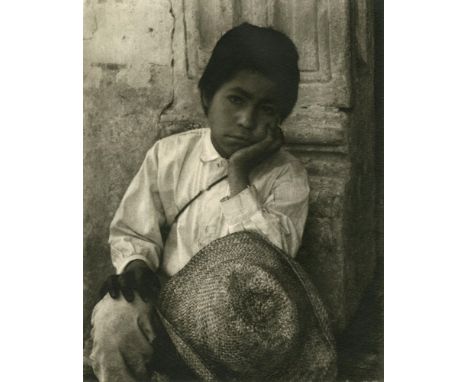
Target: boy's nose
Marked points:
246	118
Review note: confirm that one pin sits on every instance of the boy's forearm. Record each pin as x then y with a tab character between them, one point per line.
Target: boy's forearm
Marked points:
238	179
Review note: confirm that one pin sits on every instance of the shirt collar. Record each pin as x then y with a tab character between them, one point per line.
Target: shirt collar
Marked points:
209	152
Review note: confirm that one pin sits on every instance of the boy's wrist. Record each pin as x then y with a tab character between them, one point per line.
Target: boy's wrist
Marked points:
238	165
132	265
238	179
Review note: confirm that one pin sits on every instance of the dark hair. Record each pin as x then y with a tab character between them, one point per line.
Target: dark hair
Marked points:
249	47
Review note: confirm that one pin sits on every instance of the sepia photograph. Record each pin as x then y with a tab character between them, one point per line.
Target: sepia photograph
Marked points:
203	190
233	195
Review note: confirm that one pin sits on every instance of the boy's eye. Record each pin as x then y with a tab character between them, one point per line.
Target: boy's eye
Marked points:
268	109
236	100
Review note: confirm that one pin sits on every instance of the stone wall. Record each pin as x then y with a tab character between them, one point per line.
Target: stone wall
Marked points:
142	60
127	86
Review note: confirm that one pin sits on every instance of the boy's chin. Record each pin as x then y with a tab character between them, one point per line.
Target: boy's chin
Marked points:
227	150
235	148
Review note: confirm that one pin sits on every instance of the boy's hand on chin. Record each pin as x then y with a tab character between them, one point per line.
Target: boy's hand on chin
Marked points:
136	277
248	157
245	159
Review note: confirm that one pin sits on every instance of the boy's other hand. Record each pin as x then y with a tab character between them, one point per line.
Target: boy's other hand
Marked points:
136	277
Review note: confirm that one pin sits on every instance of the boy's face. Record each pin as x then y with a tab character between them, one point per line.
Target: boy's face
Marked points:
241	111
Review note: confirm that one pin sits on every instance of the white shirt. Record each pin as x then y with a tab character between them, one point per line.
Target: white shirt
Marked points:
175	169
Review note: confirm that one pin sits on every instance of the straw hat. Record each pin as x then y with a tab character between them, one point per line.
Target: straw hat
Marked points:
242	310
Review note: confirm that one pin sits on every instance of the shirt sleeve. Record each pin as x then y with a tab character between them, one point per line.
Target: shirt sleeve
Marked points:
280	218
135	230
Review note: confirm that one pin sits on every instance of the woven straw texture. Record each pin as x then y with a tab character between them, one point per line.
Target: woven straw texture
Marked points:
242	310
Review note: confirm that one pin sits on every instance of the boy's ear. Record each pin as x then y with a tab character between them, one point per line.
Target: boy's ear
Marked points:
205	102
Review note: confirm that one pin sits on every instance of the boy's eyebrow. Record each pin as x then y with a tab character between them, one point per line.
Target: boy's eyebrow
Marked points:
248	95
241	91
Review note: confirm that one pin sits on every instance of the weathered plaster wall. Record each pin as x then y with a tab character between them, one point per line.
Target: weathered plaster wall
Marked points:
127	85
142	61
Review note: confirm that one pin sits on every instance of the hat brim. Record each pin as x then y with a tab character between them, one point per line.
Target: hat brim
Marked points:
190	357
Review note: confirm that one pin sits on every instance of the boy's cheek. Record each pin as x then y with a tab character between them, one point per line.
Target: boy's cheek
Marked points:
263	131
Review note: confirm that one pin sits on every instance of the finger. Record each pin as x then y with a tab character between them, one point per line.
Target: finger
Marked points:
272	142
277	135
125	286
279	140
128	294
271	133
128	279
139	285
261	146
113	284
143	292
276	131
281	134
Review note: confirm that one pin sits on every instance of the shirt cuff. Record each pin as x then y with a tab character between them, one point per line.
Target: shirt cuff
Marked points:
241	206
121	266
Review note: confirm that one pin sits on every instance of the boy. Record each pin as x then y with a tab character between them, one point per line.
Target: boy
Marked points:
204	184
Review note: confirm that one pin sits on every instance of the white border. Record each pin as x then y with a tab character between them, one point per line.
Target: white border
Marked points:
41	190
425	190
